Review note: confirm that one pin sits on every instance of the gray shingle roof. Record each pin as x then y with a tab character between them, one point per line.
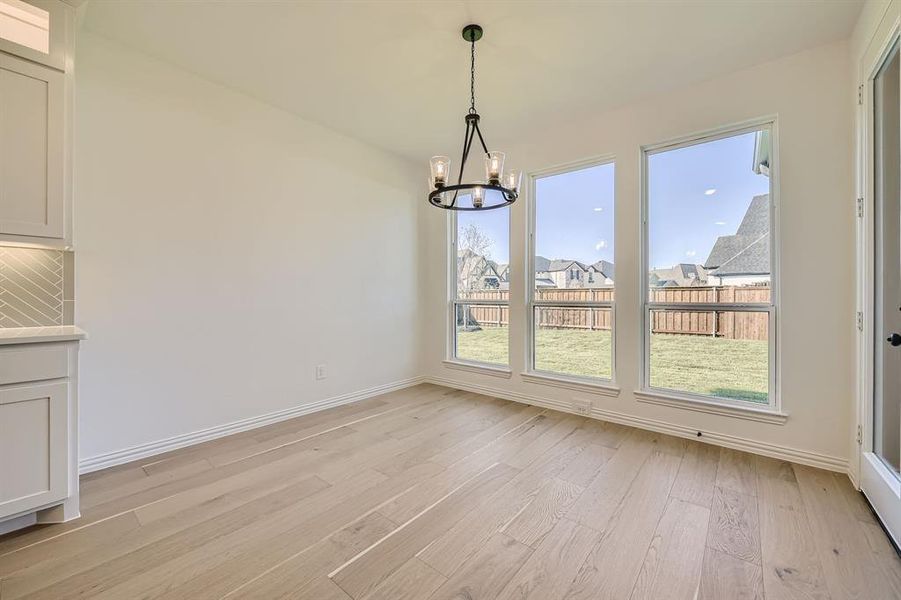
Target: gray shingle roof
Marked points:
748	251
682	275
606	268
564	264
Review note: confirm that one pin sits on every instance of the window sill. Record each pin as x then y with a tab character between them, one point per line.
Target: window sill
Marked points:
481	369
572	383
763	415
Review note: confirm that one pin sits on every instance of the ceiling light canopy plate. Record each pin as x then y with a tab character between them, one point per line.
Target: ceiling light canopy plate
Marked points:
472	33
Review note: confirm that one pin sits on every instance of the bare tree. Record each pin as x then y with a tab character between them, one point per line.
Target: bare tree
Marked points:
474	239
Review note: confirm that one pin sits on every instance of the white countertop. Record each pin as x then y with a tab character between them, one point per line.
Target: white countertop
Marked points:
34	335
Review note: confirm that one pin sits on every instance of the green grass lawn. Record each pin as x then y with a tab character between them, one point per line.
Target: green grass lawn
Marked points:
704	365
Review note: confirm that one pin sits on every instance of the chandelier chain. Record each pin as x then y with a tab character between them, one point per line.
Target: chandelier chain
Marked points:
472	79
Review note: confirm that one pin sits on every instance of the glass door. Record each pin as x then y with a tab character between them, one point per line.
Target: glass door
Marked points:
881	464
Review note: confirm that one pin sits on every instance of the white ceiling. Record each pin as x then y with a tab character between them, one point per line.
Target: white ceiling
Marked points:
396	73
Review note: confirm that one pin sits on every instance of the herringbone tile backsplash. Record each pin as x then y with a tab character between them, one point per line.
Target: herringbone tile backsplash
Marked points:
35	287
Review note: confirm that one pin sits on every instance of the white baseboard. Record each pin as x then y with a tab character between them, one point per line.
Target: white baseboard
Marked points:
118	457
804	457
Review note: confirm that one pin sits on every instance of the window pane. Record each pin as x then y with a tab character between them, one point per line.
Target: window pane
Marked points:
574	230
482	333
483	243
709	221
574	341
722	354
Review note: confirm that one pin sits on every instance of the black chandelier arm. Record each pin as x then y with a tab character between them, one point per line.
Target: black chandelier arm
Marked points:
481	139
467	144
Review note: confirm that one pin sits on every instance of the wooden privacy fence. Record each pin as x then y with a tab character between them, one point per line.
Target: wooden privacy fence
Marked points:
724	324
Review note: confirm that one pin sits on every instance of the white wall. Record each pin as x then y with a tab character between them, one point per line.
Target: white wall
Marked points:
809	92
212	238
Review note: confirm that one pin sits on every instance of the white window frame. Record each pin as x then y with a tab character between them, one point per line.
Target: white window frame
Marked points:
453	301
772	411
532	374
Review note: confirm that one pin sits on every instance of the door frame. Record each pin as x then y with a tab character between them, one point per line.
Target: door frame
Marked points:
866	470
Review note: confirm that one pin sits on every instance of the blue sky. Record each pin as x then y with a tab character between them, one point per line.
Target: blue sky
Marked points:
574	215
695	195
698	193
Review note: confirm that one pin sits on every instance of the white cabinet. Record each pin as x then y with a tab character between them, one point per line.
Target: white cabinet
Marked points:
32	138
38	428
34	425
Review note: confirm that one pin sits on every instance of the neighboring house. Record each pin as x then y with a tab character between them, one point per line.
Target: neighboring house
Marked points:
475	272
600	274
681	275
503	271
744	258
565	273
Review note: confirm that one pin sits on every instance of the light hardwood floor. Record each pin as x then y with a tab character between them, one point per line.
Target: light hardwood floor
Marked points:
433	493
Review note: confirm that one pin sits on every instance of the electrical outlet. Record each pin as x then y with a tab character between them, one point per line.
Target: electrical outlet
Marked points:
581	406
321	372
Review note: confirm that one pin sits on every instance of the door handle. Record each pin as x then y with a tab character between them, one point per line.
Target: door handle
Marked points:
894	340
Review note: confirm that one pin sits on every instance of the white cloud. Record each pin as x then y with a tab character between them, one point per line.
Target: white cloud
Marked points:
709	191
600	245
720	223
690	253
599	209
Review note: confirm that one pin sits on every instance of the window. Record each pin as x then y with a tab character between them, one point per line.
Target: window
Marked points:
481	288
25	24
710	309
571	318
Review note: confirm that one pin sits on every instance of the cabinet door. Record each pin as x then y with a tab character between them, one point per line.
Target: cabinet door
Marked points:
33	446
31	149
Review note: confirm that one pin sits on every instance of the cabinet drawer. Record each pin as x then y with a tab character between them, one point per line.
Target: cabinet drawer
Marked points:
21	364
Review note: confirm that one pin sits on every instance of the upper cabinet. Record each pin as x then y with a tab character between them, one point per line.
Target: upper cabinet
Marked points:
31	149
35	132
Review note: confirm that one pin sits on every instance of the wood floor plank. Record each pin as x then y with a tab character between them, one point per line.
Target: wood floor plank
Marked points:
550	569
89	574
840	539
585	467
367	570
222	567
791	567
451	550
612	567
672	565
415	580
737	471
734	525
464	448
603	495
539	517
724	576
697	474
486	573
294	576
884	555
854	500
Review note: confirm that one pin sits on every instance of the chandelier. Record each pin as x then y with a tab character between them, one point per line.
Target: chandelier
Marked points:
499	188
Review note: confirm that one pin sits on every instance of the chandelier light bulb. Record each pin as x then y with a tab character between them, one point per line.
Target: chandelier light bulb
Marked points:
440	167
478	197
494	166
513	179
